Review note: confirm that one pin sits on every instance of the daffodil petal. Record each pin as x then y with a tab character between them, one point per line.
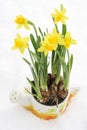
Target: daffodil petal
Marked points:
26	39
26	26
73	41
19	26
21	50
13	47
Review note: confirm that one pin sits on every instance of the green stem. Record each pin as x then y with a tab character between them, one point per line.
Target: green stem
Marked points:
68	59
36	89
34	95
64	29
31	23
55	26
57	78
43	72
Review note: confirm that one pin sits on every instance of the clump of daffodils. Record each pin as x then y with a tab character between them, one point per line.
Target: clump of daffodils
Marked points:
56	43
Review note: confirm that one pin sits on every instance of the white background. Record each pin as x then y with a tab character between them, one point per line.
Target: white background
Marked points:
13	70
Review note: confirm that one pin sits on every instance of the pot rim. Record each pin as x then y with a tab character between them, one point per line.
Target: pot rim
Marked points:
53	105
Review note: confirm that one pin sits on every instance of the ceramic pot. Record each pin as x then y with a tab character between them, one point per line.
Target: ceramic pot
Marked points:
40	110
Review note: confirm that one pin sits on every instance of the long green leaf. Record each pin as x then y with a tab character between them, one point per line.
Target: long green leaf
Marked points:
63	29
41	32
33	42
70	63
26	61
38	42
31	83
33	62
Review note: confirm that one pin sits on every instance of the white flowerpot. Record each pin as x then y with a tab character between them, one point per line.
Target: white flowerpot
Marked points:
40	110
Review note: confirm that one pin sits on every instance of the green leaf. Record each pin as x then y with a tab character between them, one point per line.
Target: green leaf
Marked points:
55	25
35	89
38	41
33	42
53	55
63	29
34	72
32	85
26	61
44	34
34	56
70	63
33	59
41	32
65	74
58	70
33	69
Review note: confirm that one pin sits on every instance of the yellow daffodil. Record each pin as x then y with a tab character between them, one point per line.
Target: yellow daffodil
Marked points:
51	42
20	43
54	39
59	16
45	47
68	40
21	21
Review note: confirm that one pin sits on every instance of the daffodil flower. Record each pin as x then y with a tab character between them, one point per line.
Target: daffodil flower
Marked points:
51	42
20	43
21	21
68	40
45	47
59	16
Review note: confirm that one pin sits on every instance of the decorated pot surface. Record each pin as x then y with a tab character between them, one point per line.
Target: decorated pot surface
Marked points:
40	110
47	112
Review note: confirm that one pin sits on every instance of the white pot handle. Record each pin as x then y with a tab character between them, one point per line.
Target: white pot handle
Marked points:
20	97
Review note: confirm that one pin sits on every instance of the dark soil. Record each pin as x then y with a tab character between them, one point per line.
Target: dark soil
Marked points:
55	94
